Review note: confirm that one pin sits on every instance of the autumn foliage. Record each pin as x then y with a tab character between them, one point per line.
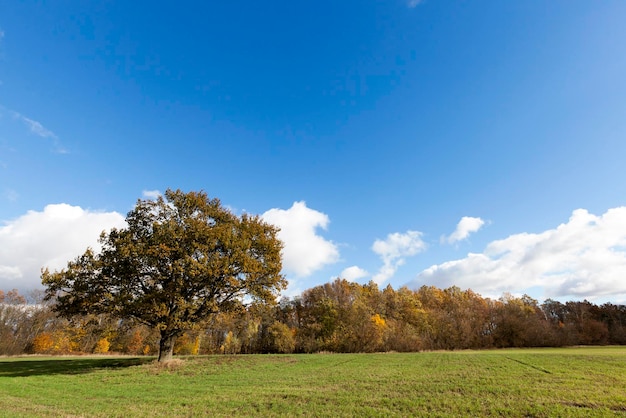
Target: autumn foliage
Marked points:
339	317
182	259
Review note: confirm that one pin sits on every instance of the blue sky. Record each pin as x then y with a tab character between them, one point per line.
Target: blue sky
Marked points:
478	144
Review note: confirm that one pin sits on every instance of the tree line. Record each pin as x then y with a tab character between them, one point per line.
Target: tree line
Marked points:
338	316
189	276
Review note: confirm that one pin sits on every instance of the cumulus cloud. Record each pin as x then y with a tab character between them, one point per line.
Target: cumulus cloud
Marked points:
49	238
394	250
583	258
464	228
353	273
151	194
304	250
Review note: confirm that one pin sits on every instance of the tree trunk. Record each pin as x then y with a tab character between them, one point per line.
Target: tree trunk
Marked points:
166	347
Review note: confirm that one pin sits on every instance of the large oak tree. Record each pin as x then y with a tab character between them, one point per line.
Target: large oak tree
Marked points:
182	258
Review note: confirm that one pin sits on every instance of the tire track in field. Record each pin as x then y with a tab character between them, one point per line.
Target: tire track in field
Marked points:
532	366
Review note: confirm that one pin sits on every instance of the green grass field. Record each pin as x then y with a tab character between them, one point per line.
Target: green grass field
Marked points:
539	382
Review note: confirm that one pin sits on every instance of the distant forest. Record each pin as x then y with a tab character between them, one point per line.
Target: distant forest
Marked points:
339	316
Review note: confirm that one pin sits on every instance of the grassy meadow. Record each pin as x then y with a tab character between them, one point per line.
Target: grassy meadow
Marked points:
583	382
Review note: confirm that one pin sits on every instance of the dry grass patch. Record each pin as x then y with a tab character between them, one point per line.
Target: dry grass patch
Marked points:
169	365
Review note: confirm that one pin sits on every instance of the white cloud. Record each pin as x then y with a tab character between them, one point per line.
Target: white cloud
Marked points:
38	129
10	272
394	250
151	194
413	3
34	126
304	250
49	238
464	228
583	258
353	273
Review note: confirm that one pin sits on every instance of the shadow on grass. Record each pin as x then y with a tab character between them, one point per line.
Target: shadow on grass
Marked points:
35	367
